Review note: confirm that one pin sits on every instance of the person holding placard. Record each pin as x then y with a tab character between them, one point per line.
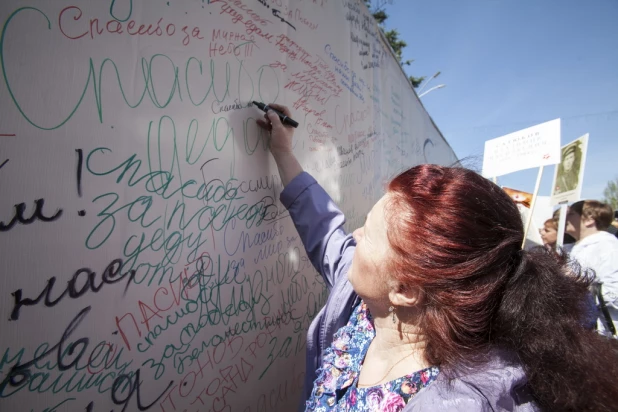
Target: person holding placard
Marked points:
596	249
433	305
567	240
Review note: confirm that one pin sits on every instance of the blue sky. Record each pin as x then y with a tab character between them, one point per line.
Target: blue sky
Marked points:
511	64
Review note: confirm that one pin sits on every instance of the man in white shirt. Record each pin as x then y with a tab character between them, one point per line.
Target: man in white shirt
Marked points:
595	248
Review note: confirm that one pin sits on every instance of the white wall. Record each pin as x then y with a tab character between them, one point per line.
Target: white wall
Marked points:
158	214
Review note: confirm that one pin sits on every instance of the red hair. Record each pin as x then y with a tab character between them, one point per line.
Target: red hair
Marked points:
457	237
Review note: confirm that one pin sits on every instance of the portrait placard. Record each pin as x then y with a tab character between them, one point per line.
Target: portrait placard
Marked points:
569	174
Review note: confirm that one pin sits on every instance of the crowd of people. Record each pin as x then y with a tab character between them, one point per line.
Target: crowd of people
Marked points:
591	241
435	306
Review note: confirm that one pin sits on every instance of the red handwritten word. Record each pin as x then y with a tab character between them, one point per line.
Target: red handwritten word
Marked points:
216	49
319	130
318	136
228	377
247	20
226	381
317	2
278	65
316	82
230	36
157	301
281	397
352	137
96	28
320	148
261	339
317	79
238	3
292	49
308	110
240	370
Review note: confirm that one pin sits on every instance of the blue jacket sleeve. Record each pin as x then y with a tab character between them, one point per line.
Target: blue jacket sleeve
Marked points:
319	223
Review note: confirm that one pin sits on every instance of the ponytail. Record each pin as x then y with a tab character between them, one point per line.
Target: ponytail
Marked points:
457	237
541	318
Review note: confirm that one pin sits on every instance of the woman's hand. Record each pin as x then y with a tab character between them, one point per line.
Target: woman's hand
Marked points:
281	143
281	134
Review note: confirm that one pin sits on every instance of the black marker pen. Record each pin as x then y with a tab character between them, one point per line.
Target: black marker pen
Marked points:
284	118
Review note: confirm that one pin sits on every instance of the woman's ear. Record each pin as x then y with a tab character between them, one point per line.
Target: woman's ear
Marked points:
406	296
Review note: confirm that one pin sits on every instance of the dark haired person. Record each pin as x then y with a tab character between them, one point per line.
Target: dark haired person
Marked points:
433	305
567	240
596	249
613	228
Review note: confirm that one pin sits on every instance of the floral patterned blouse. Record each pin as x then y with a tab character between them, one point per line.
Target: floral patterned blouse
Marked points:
336	389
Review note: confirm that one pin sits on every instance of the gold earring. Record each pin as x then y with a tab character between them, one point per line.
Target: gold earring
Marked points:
391	309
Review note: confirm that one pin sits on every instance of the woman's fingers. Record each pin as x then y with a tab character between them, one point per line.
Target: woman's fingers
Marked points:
283	109
264	125
274	119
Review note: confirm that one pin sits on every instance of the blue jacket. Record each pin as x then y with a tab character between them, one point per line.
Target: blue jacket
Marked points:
498	385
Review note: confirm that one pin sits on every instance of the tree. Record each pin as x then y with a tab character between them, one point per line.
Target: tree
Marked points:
397	44
611	193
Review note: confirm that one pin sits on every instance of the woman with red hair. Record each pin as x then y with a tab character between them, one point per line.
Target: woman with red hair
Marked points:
433	305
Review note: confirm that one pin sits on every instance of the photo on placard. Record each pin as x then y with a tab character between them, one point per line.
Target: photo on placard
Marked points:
569	174
518	196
